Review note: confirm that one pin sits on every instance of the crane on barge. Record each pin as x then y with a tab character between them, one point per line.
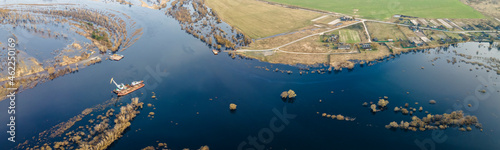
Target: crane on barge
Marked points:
118	86
122	89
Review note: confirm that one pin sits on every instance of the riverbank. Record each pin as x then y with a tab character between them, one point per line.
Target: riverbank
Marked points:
338	41
193	89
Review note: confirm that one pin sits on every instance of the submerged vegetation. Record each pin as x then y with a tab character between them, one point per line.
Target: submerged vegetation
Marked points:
103	136
102	132
232	106
164	147
288	94
97	35
104	129
291	94
438	121
432	102
106	30
94	24
205	24
380	106
337	117
430	122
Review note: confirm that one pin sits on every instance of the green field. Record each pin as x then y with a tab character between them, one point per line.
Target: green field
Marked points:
349	36
384	9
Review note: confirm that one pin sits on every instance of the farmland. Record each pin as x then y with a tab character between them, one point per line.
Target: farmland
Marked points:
384	9
258	19
349	36
383	32
312	37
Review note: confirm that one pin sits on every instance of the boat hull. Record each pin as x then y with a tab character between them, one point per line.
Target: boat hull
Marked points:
129	89
115	57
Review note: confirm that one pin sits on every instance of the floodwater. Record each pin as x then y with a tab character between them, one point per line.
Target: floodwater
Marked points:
184	74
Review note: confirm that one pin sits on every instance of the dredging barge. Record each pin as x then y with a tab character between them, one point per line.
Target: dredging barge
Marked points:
216	52
116	57
124	89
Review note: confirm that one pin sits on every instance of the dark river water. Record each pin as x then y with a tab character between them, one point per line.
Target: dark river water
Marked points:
184	74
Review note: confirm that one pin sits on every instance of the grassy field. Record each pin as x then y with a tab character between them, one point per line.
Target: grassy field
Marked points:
383	32
349	36
327	20
384	9
258	19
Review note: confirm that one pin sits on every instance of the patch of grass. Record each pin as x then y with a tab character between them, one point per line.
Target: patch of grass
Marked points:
349	36
454	36
326	20
407	31
258	19
383	32
384	9
97	35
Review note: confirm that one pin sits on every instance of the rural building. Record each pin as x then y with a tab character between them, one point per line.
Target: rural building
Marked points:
347	46
366	46
345	18
333	38
407	16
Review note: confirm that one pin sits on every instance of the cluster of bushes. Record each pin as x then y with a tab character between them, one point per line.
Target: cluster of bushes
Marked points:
100	36
288	94
443	121
380	106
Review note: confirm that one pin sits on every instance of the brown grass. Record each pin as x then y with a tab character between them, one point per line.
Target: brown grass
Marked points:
364	55
258	19
326	20
486	7
407	31
308	45
384	31
283	39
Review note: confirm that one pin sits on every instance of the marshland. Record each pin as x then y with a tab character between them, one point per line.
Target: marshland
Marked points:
189	92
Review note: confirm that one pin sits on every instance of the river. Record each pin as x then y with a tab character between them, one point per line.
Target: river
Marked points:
185	75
